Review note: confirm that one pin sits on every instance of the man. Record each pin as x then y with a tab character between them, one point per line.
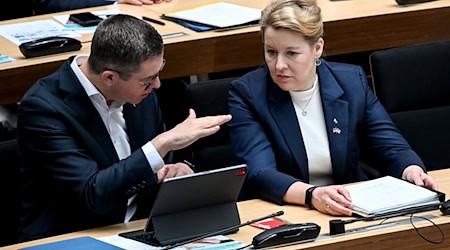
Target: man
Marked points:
91	135
50	6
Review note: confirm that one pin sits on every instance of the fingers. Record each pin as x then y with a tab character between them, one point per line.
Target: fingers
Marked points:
192	114
132	2
333	200
161	174
416	175
173	170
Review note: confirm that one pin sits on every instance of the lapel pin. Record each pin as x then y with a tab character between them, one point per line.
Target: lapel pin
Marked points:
335	121
336	131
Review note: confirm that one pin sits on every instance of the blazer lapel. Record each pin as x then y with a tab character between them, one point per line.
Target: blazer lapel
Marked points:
283	112
88	116
135	130
336	120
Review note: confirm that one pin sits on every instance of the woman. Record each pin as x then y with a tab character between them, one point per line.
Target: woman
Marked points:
301	123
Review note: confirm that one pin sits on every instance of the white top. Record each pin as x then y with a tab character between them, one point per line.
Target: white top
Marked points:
112	117
314	134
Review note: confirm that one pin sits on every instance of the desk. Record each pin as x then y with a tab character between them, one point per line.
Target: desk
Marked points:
395	237
350	26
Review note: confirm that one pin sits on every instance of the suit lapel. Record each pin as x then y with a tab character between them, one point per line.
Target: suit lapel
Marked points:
77	99
336	120
135	130
283	112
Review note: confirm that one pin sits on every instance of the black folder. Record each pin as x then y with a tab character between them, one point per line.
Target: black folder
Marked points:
190	206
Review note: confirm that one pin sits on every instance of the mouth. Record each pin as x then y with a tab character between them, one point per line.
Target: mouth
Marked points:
283	77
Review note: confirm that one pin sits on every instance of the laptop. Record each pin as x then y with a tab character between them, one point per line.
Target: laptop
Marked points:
190	206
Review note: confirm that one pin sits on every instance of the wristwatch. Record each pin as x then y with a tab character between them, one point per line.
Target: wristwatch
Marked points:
308	197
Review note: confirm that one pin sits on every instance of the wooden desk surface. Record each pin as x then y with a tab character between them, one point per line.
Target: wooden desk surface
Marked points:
350	26
395	237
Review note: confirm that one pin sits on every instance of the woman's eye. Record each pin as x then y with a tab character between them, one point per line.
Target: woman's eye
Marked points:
271	52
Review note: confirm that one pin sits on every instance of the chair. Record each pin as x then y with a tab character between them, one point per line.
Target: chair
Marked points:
16	9
10	192
413	84
211	98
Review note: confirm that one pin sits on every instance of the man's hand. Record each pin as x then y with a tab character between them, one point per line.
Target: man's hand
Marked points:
187	132
173	170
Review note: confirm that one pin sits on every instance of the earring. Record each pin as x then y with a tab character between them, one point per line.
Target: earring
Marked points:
318	62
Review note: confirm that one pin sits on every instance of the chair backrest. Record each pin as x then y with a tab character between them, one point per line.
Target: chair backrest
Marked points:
16	9
413	84
9	192
211	98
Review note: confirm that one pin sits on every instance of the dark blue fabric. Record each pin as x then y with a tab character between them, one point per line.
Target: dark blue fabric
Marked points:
73	178
265	133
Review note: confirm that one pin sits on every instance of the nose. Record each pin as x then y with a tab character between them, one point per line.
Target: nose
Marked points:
156	84
280	63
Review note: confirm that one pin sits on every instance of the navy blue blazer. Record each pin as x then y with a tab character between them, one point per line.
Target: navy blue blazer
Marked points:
265	133
72	176
51	6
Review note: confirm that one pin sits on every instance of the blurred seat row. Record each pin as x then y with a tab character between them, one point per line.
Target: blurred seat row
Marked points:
413	83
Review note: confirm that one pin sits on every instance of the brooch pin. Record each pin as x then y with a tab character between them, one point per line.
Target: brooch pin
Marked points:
335	121
336	131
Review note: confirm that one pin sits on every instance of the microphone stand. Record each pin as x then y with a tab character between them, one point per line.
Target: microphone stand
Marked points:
223	231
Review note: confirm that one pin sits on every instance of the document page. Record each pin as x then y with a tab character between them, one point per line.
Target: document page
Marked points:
218	14
388	193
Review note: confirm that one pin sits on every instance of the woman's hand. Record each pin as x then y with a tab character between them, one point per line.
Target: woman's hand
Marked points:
416	175
142	2
333	200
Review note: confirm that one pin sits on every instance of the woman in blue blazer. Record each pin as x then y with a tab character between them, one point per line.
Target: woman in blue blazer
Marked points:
302	124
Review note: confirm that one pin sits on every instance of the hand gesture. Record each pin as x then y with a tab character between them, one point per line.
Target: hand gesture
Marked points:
187	132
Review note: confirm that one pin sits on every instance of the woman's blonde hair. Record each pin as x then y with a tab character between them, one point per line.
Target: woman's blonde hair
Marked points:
302	16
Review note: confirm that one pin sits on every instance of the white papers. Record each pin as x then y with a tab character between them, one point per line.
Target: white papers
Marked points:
24	32
219	14
387	194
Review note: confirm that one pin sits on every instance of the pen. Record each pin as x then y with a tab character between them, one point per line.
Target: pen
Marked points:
192	166
152	20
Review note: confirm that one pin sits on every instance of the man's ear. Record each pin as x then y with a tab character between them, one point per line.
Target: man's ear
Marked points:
108	77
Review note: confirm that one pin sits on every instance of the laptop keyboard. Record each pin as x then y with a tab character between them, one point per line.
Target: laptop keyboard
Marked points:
142	236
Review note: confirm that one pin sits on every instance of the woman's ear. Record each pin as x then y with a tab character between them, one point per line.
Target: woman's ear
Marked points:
318	47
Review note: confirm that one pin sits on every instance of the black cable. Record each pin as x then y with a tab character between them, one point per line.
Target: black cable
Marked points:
411	216
421	235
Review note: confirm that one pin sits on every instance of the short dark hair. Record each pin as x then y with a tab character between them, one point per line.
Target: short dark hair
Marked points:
122	42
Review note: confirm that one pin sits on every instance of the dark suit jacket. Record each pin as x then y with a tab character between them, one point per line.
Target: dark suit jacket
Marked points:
265	133
72	176
51	6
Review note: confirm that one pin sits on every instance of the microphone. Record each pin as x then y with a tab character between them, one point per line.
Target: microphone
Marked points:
224	231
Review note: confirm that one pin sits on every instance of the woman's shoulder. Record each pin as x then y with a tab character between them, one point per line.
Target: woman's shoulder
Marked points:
337	67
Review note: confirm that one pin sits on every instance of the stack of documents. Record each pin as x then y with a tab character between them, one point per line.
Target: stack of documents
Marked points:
218	15
388	195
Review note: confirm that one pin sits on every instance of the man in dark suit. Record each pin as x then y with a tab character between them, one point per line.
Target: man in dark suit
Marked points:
91	135
51	6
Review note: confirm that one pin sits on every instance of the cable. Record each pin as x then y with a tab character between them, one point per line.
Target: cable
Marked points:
411	216
421	235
